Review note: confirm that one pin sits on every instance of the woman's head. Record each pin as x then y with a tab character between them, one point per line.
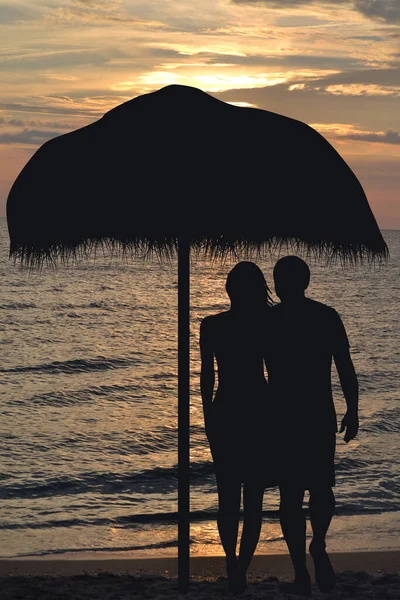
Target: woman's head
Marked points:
246	285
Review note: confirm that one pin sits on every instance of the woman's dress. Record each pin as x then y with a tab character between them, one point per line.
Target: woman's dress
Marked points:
241	431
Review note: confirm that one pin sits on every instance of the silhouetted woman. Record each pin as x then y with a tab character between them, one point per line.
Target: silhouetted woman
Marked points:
236	418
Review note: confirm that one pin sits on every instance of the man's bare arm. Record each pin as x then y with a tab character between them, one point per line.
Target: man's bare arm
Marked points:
349	383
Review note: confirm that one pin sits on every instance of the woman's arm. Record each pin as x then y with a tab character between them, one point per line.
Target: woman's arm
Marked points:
207	375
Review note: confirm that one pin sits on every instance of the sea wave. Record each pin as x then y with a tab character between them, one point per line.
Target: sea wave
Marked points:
163	480
136	391
79	396
147	481
171	518
17	306
61	551
79	365
387	421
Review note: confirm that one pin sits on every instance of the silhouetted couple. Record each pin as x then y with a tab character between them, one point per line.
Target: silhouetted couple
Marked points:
281	432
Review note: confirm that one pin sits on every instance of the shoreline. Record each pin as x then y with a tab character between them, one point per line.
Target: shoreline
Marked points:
201	566
360	576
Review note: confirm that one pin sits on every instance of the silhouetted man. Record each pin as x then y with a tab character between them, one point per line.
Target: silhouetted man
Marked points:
305	335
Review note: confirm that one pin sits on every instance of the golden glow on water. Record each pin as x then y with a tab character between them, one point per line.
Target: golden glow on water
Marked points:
91	425
206	536
207	531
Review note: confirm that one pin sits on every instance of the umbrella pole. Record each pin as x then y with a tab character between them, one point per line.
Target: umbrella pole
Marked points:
183	414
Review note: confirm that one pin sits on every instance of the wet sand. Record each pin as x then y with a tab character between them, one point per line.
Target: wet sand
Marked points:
361	575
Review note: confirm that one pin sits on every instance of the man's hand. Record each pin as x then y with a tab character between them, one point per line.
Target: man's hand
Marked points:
350	423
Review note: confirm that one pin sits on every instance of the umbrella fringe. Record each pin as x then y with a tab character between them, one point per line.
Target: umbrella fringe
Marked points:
215	249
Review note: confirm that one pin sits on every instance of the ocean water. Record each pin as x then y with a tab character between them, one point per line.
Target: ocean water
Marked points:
88	406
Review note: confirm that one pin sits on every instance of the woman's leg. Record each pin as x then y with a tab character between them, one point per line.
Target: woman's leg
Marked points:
253	494
229	495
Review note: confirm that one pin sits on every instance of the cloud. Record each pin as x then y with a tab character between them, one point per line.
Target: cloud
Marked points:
367	38
301	21
47	109
352	82
86	10
348	131
58	59
292	60
381	10
61	77
290	3
356	89
84	104
389	77
47	124
27	136
305	61
15	122
99	12
387	11
156	15
311	105
389	32
389	137
13	14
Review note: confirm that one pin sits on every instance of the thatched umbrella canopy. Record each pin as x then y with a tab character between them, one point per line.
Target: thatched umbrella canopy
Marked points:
178	162
178	169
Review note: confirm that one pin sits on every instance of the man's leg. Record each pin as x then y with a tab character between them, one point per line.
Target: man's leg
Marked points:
293	525
229	495
322	506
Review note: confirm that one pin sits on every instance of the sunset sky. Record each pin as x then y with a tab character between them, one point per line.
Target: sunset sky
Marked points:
334	65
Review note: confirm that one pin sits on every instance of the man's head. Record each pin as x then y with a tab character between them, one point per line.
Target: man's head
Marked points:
291	277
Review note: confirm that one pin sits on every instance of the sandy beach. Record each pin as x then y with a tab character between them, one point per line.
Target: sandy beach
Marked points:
361	575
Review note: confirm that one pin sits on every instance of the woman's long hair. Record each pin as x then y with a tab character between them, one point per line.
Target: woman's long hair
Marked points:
246	285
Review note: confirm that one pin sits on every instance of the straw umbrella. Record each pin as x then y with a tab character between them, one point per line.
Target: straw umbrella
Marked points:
176	170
